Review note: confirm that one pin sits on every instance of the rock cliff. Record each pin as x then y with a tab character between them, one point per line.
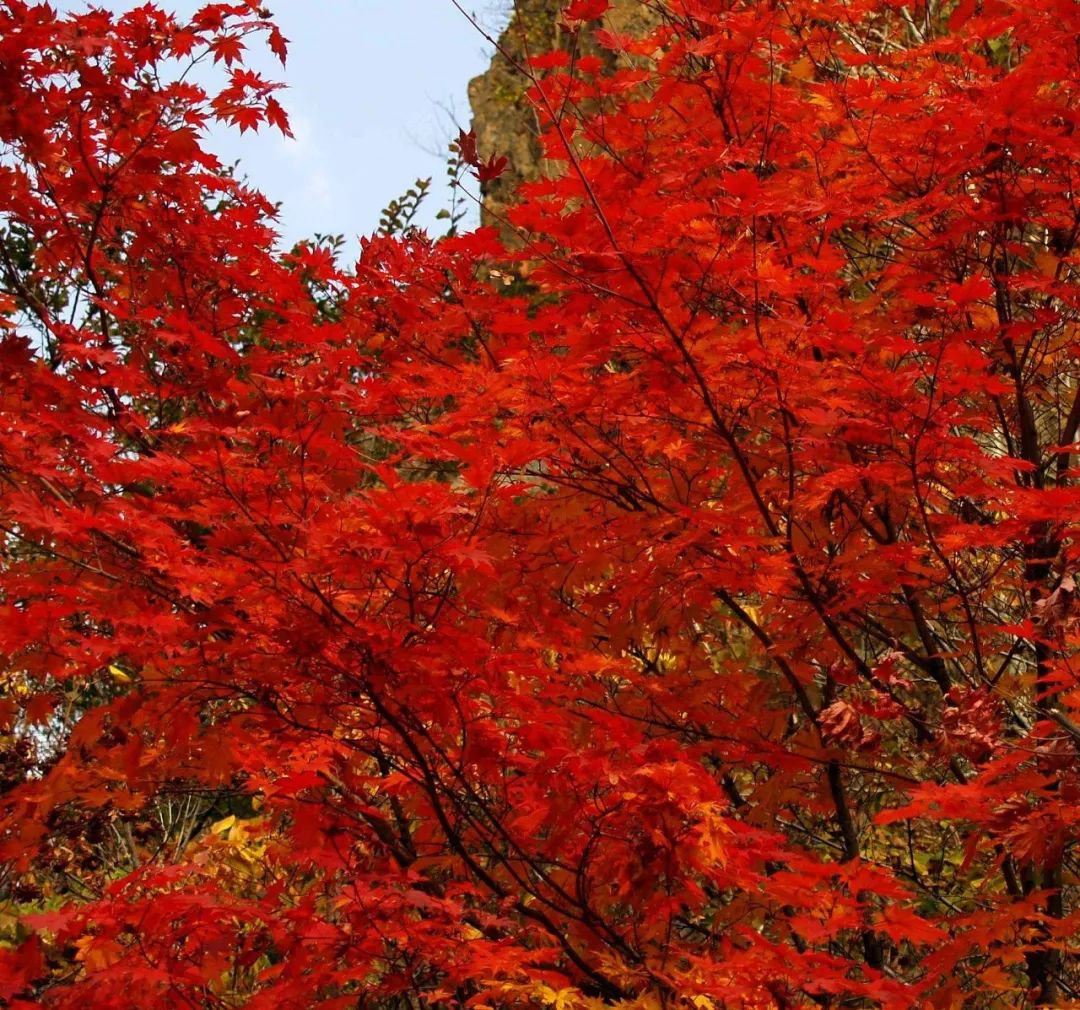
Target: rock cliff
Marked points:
503	119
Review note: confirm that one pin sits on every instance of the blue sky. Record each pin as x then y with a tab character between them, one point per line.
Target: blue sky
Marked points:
373	86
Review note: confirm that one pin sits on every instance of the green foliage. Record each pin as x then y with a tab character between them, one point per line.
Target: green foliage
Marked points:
399	215
455	171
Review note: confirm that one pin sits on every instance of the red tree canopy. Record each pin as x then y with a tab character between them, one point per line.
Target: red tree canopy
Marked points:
678	610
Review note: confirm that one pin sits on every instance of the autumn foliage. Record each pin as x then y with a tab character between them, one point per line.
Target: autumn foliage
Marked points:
679	610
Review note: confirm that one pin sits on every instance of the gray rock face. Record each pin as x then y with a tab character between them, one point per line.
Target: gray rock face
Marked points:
504	120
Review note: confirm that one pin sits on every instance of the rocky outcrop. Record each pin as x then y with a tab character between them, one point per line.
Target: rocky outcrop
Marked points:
504	121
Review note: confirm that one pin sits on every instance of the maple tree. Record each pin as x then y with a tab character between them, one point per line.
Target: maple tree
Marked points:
679	608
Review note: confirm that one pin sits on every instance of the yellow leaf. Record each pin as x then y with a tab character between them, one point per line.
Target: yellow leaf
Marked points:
802	70
97	954
223	826
1047	263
